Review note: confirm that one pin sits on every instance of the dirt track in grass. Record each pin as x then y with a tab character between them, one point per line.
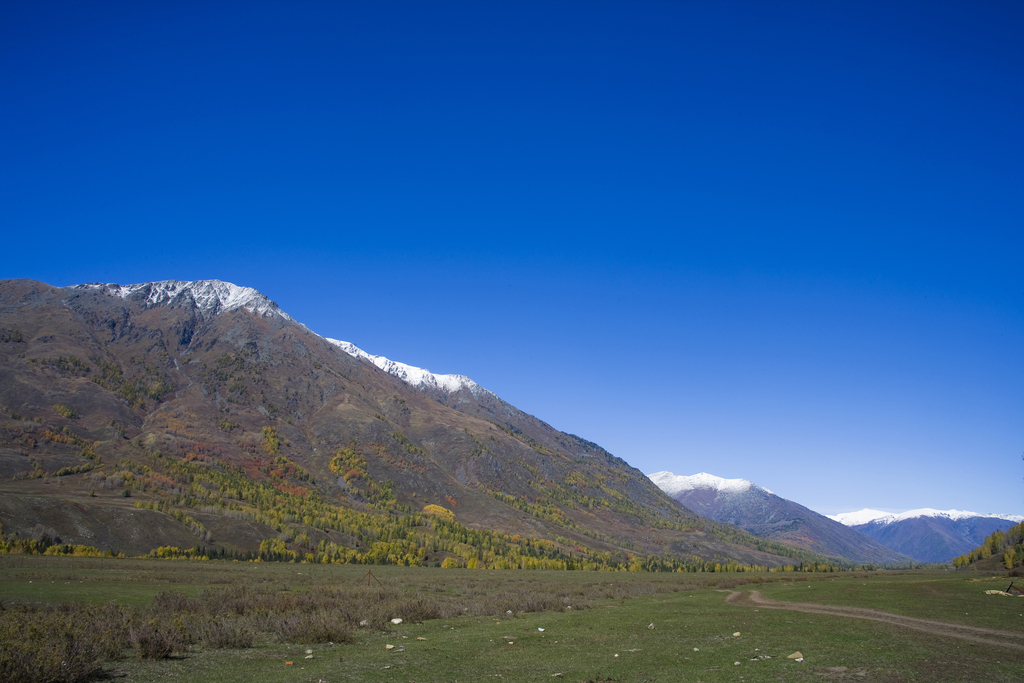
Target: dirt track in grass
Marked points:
984	636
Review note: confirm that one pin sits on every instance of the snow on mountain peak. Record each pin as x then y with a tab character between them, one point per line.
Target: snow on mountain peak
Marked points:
418	377
878	517
674	484
209	296
859	517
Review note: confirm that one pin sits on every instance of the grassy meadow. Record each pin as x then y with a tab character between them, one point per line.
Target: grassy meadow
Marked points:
237	621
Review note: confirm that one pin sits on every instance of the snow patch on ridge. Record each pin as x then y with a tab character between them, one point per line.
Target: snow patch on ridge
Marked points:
878	517
418	377
210	296
674	484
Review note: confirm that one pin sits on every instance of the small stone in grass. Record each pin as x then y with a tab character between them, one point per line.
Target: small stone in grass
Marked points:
736	635
389	647
735	663
396	621
650	626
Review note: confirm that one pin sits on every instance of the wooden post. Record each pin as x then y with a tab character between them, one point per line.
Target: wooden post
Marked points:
369	575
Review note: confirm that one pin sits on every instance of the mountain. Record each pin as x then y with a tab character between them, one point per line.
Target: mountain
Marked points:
928	535
764	514
199	413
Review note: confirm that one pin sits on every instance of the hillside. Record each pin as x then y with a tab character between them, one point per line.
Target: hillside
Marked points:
199	413
764	514
1001	550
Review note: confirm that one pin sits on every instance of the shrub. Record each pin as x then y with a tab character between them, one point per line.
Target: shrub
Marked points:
158	639
65	411
311	627
64	643
218	632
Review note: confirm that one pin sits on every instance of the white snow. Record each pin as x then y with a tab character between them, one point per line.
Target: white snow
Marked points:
877	516
211	296
418	377
859	517
674	484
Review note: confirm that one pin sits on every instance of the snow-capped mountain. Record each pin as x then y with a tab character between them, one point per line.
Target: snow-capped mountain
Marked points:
207	297
418	377
764	514
867	515
674	484
928	535
207	367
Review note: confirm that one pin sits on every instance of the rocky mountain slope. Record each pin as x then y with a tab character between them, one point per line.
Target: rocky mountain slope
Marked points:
764	514
928	535
176	413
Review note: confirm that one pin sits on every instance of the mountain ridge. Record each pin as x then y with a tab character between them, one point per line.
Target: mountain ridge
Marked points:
418	377
210	297
181	380
867	515
926	534
673	484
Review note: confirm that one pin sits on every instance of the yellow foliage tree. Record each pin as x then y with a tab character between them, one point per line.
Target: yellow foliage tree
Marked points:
438	511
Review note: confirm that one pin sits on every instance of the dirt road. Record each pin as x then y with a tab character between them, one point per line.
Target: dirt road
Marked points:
986	636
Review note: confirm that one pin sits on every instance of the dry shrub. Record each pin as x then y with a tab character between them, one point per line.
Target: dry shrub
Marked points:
159	639
218	632
529	601
173	601
152	643
63	644
311	627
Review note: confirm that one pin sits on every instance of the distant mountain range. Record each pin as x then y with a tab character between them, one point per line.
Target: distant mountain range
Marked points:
928	535
764	514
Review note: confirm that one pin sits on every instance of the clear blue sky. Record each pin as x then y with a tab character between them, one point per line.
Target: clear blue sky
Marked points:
780	241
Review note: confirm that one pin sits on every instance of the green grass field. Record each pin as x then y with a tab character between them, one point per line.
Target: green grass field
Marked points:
606	636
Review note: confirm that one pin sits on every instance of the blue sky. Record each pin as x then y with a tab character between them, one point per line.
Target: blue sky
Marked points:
778	241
